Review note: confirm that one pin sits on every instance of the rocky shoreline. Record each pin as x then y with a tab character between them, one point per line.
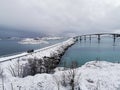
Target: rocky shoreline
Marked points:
56	58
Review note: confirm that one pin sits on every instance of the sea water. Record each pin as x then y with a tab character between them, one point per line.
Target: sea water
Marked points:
11	47
91	50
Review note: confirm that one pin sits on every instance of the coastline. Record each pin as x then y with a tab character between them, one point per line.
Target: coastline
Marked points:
53	53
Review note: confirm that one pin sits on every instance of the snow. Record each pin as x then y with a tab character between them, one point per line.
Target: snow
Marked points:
32	41
100	75
12	57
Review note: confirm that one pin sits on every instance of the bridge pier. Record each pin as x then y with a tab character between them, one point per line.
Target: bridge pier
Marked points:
77	38
114	38
90	37
85	37
80	38
98	38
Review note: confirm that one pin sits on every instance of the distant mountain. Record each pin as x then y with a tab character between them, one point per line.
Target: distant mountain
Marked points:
12	32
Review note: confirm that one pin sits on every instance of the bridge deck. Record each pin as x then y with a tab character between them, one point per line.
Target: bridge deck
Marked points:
100	34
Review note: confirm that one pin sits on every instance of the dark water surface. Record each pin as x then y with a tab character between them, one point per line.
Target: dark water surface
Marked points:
84	51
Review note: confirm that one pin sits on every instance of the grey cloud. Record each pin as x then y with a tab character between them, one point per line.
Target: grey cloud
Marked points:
57	16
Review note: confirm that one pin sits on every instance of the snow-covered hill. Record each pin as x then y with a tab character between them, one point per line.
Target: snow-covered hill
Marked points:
94	75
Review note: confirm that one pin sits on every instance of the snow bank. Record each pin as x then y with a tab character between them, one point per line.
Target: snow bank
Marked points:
100	75
93	75
33	41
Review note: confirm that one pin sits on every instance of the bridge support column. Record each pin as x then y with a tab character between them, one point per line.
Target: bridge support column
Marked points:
90	37
80	38
114	38
76	38
99	38
85	37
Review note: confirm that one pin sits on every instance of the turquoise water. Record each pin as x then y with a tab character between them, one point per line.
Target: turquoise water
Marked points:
11	47
84	51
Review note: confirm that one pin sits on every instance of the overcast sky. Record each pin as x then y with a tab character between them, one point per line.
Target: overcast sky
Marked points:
58	16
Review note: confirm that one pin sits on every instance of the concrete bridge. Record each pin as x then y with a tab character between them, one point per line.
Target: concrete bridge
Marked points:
114	35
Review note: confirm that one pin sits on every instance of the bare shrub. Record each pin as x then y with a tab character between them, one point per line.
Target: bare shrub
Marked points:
57	81
33	67
2	78
69	76
49	65
12	87
16	69
1	72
